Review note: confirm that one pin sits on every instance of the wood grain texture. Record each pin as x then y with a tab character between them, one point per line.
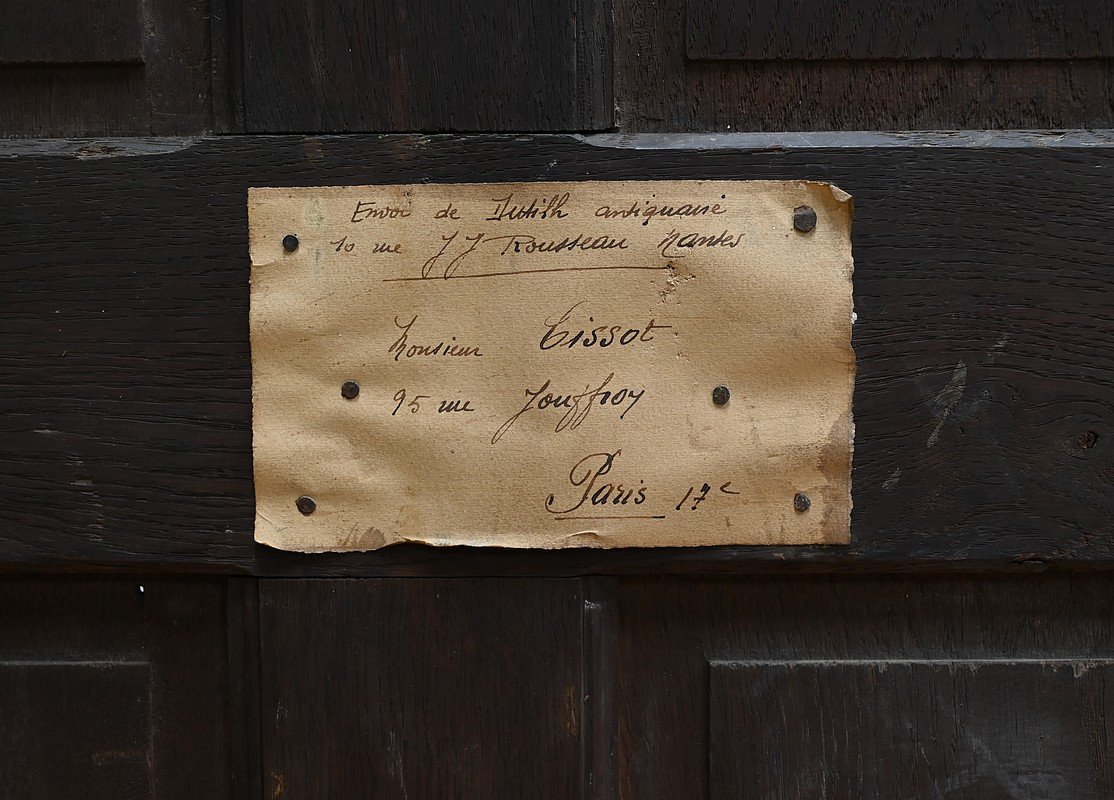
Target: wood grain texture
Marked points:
981	30
658	89
79	725
89	32
114	688
600	729
422	689
984	336
882	729
244	748
151	73
1026	727
422	65
226	37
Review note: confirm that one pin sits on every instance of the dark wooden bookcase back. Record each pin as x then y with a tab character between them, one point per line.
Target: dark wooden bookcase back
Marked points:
958	648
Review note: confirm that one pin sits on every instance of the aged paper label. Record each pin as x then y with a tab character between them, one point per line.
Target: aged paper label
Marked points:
605	364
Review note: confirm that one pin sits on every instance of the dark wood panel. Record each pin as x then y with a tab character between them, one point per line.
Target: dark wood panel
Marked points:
658	89
72	32
984	338
600	729
951	29
879	730
245	751
422	688
423	65
1036	717
150	73
114	688
77	725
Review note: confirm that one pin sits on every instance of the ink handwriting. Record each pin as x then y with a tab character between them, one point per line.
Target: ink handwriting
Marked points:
575	406
403	348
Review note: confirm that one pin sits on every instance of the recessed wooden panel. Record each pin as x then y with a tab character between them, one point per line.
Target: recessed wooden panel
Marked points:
759	30
115	688
1006	682
659	87
422	688
108	67
71	32
425	65
76	724
880	730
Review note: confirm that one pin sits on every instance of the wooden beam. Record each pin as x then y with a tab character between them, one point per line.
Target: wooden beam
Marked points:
985	340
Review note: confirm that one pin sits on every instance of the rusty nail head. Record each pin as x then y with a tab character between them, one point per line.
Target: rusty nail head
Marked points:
350	390
720	395
1088	439
290	243
804	219
306	505
801	501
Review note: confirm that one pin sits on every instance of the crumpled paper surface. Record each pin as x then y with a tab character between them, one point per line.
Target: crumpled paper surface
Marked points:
536	364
